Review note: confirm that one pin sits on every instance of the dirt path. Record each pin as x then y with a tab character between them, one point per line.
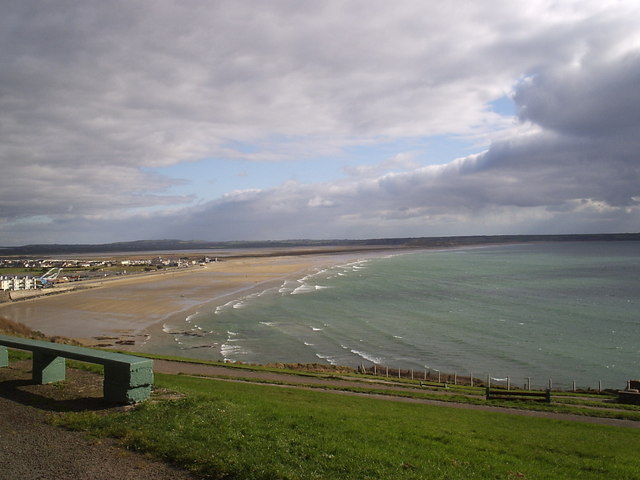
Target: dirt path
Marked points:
33	449
298	381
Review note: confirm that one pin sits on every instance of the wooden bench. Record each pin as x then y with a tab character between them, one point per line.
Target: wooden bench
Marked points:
127	379
629	396
544	396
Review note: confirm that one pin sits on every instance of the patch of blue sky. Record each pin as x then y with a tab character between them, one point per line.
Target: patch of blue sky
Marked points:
210	178
424	151
504	106
242	147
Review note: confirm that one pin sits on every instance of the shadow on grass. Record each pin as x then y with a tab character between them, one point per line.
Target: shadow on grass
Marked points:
60	397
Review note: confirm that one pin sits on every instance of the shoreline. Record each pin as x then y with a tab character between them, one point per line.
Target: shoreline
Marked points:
279	268
173	296
129	312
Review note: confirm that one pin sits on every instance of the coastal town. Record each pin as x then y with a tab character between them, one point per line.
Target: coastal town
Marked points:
17	274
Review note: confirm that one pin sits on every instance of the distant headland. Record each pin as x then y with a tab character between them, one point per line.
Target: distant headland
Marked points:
407	242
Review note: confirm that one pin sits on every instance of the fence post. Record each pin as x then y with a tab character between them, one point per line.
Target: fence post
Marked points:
599	386
471	378
455	378
387	370
574	387
508	383
398	372
528	383
550	384
375	372
425	374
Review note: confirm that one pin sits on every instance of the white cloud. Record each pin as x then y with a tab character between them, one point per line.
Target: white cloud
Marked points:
319	201
92	94
399	162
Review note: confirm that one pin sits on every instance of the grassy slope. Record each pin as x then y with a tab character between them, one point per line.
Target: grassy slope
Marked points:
244	431
248	431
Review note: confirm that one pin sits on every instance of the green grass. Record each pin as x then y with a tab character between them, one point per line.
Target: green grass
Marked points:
7	271
245	431
15	355
603	405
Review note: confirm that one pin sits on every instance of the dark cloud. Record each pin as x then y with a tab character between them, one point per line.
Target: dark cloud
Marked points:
579	172
595	98
93	95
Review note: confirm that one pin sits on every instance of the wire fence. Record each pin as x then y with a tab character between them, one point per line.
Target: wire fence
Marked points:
469	379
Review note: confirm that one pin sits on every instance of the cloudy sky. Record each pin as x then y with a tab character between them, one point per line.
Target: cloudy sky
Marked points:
228	120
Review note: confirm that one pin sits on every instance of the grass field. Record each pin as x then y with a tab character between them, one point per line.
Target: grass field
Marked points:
222	429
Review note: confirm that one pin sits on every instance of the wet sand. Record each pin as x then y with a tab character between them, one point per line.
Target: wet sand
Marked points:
127	311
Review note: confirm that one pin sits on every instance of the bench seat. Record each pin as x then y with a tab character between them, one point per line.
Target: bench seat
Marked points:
544	396
127	379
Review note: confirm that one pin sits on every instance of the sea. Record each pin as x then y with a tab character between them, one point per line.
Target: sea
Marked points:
565	313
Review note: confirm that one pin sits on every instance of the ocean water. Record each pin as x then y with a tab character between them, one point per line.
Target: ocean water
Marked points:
565	311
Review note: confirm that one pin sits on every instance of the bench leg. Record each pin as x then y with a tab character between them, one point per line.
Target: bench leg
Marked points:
48	368
4	356
126	384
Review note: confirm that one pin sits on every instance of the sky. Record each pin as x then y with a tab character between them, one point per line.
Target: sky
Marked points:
226	120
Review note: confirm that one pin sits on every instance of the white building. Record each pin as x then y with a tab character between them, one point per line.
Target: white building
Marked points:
18	283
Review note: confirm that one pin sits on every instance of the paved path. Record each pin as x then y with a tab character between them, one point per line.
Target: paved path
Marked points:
298	381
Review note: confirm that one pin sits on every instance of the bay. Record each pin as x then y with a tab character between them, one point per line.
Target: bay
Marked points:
560	311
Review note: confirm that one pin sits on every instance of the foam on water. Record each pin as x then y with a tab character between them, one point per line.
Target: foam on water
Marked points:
166	328
228	351
368	356
288	286
328	358
304	288
524	311
224	307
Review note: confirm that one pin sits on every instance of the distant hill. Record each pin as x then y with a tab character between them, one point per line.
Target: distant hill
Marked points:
417	242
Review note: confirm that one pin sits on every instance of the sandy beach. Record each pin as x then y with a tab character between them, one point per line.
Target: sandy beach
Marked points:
126	312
